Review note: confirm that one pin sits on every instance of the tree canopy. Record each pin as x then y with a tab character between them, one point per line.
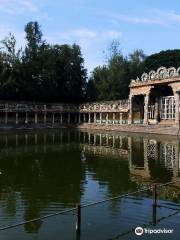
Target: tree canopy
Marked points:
56	73
41	72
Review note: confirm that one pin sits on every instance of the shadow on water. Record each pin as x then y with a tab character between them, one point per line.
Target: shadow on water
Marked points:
46	171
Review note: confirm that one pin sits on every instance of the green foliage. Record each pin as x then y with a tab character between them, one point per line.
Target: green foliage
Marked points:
168	58
112	81
41	72
56	73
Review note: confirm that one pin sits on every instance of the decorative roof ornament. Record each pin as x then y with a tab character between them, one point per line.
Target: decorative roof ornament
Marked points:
144	77
161	73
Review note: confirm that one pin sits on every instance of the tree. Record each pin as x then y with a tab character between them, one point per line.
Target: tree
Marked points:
112	81
10	61
168	58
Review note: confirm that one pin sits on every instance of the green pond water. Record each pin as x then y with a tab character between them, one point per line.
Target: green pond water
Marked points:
47	171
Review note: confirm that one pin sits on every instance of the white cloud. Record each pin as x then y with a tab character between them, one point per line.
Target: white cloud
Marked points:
18	7
154	16
115	18
88	34
92	42
168	17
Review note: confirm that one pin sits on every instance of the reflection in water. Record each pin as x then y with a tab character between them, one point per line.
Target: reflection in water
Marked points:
44	172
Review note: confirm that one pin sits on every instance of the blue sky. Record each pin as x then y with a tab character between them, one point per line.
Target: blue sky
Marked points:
152	25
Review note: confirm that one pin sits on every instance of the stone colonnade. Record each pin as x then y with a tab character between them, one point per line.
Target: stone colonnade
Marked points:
41	114
62	118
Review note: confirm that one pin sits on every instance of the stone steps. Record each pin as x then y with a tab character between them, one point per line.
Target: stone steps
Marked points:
151	129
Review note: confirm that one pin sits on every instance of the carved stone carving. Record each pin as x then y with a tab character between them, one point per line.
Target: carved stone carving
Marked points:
161	73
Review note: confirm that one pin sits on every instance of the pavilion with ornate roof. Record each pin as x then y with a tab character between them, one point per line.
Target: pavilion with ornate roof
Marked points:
154	98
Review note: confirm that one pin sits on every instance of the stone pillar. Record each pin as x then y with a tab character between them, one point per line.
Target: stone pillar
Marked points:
107	118
6	117
53	118
45	118
130	109
75	118
114	116
113	141
89	118
6	113
61	118
100	139
35	115
89	138
79	118
100	120
84	117
120	118
16	118
156	112
44	114
107	139
176	97
69	118
95	118
146	102
36	118
26	118
84	137
120	142
94	139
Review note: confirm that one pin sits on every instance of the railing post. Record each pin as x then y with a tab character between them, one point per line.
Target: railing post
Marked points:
78	218
154	195
154	213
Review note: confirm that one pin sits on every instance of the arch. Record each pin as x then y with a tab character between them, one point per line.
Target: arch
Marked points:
178	71
172	72
162	72
144	77
152	75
